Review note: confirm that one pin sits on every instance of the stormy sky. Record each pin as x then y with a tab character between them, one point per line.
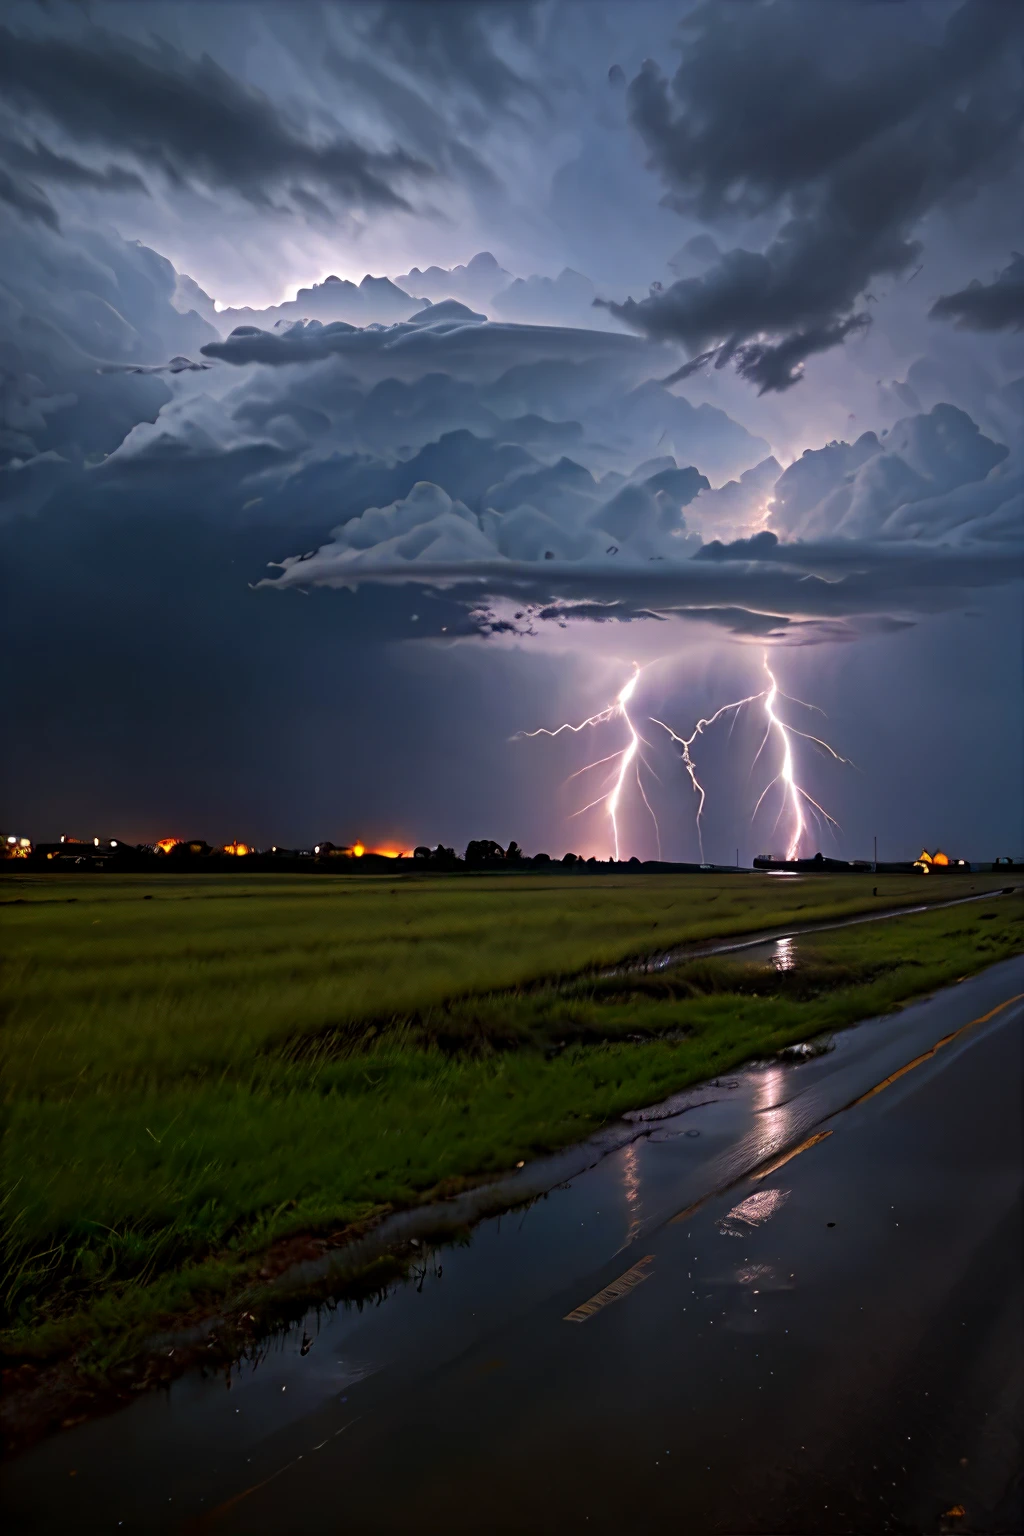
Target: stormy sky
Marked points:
385	380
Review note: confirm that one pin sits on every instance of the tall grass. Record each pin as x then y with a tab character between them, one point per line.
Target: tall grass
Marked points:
104	984
192	1077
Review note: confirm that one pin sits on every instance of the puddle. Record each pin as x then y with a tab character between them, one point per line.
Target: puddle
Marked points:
754	1211
784	958
777	948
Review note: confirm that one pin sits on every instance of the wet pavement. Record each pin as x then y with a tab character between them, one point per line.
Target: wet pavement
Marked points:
825	1342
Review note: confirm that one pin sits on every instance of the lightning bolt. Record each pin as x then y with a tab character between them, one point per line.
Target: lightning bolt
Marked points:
795	799
686	742
794	795
629	757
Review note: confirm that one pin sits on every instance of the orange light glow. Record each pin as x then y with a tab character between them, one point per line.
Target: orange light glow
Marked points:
358	850
938	857
167	843
238	849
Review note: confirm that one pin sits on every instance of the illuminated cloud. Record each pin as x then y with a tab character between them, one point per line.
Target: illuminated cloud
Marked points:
443	340
829	589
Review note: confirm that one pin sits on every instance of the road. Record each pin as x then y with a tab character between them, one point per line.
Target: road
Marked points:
683	1336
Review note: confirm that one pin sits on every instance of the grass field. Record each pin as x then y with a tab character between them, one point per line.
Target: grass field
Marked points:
196	1068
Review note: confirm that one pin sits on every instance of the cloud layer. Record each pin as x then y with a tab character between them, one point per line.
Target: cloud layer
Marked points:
845	133
995	306
188	122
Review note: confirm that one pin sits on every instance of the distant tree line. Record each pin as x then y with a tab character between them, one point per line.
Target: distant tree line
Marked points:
485	853
197	854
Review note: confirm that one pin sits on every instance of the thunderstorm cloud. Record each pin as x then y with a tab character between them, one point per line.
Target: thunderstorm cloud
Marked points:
475	327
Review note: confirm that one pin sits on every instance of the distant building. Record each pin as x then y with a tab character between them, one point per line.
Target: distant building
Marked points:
938	860
819	864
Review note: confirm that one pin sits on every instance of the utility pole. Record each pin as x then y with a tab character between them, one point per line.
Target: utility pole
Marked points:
876	853
737	858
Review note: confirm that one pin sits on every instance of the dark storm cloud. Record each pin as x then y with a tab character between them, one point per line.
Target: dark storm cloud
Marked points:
834	120
426	342
463	511
780	366
834	583
995	306
77	306
24	164
26	199
189	121
36	159
410	110
452	42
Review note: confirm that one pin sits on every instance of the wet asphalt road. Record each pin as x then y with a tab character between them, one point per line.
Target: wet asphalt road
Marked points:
836	1346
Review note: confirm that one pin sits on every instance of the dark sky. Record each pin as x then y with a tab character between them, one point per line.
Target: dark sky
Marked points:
702	346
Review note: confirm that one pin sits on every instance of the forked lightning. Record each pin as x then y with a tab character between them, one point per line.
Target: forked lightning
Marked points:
794	797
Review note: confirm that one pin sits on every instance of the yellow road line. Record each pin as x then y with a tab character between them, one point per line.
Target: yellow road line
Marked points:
777	1162
618	1288
927	1055
683	1215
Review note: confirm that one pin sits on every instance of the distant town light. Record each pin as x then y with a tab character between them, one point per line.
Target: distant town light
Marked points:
317	848
113	842
95	842
12	839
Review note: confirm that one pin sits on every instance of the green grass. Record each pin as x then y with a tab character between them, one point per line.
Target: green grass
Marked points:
193	1077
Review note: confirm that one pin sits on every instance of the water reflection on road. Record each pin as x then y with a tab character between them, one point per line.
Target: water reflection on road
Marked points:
787	1327
774	1107
631	1188
784	958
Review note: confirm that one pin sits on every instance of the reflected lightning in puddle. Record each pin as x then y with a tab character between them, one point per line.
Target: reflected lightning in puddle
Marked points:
754	1211
784	958
630	757
631	1187
774	1108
